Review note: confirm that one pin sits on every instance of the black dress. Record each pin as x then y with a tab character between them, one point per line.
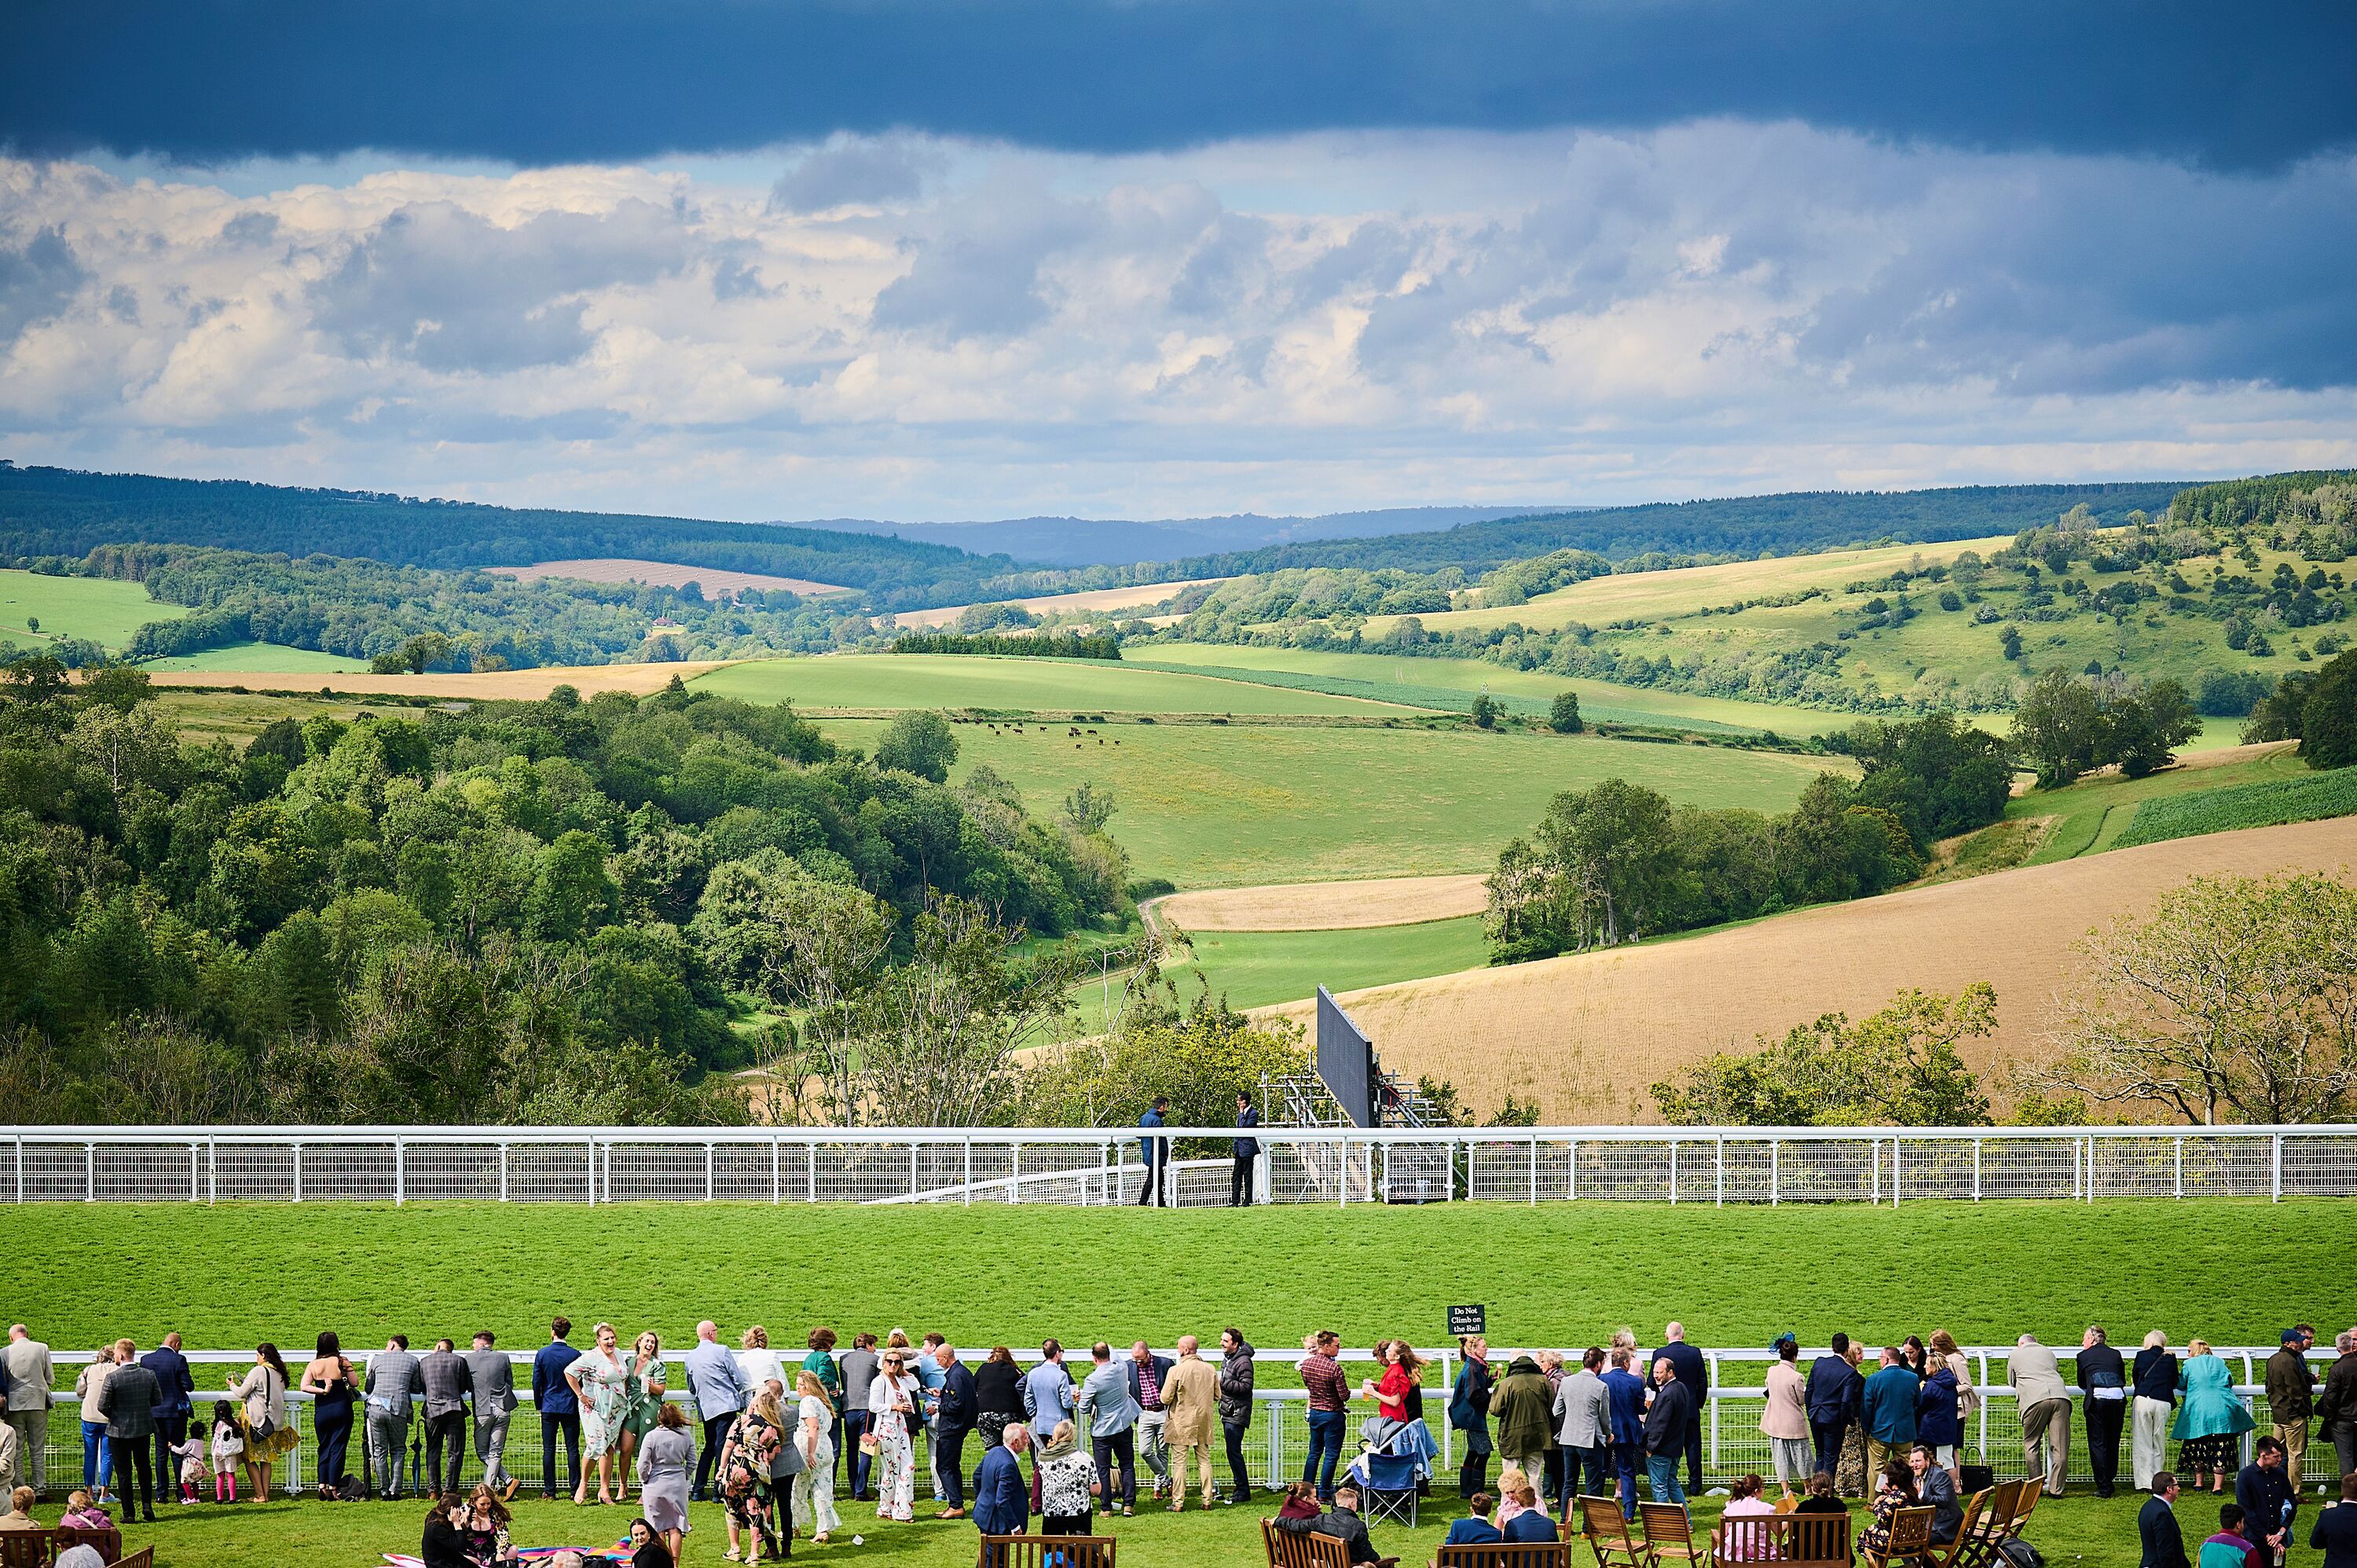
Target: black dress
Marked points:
443	1547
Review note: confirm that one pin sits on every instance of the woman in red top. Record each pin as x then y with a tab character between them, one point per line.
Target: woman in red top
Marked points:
1398	1426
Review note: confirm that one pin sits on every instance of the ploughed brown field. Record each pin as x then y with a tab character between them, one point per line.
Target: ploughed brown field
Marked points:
1327	906
1586	1033
1059	604
495	685
715	583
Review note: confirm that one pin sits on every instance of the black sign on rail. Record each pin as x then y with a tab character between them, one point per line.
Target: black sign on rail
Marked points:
1464	1320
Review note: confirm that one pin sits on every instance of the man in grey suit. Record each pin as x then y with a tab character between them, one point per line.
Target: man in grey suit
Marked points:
128	1402
447	1382
2045	1404
29	1376
1583	1412
393	1378
495	1401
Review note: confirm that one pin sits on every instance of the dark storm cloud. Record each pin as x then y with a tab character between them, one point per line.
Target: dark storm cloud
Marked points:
540	81
37	277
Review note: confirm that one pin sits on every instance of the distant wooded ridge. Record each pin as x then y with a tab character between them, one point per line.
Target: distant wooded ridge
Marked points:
59	512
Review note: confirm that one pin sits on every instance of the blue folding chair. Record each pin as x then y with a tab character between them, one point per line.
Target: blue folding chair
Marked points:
1389	1483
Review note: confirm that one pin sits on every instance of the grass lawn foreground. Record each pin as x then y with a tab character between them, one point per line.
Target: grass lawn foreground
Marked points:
1565	1275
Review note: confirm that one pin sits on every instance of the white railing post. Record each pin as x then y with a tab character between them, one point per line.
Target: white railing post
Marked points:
1571	1163
809	1161
1874	1162
1674	1171
1895	1144
1535	1170
1718	1200
90	1172
503	1172
913	1187
969	1171
2177	1144
1775	1176
2277	1142
777	1170
592	1147
399	1175
1976	1170
192	1174
299	1171
708	1187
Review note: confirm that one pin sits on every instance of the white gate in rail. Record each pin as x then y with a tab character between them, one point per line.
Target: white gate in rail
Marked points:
1103	1166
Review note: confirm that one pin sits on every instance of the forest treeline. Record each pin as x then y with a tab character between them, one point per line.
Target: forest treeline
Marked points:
1619	861
550	911
66	512
1734	528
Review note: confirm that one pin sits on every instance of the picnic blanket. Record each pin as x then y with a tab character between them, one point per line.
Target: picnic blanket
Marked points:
591	1556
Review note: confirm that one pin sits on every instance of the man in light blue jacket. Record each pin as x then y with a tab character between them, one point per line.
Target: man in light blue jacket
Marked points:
1048	1391
719	1392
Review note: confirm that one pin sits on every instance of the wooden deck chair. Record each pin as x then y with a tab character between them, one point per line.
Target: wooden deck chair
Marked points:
1606	1530
25	1549
1968	1541
1511	1555
1289	1550
1669	1533
2004	1499
2025	1505
1910	1538
143	1558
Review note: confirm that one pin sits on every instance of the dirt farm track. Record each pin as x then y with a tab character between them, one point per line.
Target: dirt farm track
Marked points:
1586	1033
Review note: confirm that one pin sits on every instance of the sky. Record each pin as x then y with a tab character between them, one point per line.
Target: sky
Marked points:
944	259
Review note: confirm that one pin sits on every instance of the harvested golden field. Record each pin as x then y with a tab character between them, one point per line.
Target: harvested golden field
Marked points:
1650	595
525	684
1060	603
715	583
1584	1033
1327	906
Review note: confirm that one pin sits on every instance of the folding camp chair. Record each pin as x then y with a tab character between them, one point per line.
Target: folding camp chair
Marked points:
1388	1484
1965	1548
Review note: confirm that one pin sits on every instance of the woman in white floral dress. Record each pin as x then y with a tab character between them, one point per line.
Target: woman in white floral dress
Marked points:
891	1406
601	1381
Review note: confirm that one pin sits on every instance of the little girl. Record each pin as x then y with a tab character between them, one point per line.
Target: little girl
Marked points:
82	1514
191	1456
229	1446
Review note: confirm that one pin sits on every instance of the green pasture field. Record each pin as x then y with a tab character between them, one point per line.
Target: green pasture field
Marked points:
100	610
1653	596
1254	969
1564	1275
265	658
1235	805
212	713
2302	799
1601	702
2092	814
1055	687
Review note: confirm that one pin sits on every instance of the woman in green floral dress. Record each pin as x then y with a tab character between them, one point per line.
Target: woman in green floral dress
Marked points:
642	1398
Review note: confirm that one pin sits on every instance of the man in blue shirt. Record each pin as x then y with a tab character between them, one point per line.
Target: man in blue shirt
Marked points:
718	1389
1154	1151
1002	1499
552	1397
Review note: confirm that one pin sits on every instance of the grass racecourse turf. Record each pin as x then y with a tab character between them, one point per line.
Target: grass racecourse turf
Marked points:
1237	805
1565	1275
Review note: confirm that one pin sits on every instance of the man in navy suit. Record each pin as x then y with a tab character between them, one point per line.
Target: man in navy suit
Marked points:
958	1408
1833	1395
1247	1150
2158	1531
1687	1363
1002	1499
1627	1394
551	1396
1155	1153
174	1384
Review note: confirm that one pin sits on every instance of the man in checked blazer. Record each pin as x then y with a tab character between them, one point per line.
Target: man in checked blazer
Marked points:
447	1381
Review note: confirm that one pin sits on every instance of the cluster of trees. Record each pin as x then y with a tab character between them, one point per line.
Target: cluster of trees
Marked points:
2320	711
2066	726
2235	999
1036	645
1619	862
62	512
540	911
1901	1068
413	618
